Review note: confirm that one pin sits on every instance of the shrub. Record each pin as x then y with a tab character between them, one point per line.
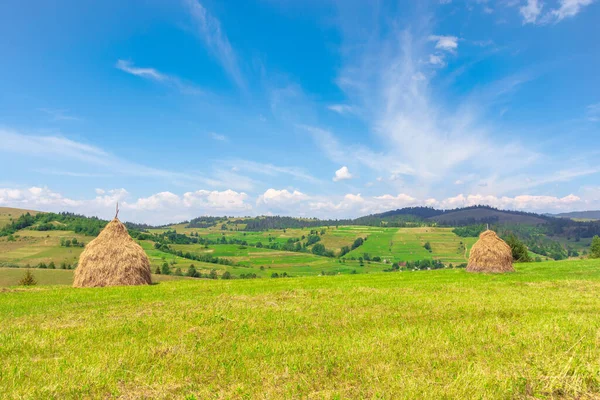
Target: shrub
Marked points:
595	247
52	265
191	272
157	270
28	279
178	272
165	270
226	275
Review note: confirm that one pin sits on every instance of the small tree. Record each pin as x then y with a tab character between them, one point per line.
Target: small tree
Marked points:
157	270
165	270
52	265
178	272
427	246
226	275
595	247
213	274
191	272
42	265
28	279
520	252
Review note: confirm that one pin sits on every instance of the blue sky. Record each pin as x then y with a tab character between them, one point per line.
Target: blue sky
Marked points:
317	108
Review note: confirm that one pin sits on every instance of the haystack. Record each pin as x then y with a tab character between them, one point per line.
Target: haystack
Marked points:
490	254
113	259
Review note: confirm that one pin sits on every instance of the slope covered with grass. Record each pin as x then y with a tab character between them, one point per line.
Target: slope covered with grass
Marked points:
429	334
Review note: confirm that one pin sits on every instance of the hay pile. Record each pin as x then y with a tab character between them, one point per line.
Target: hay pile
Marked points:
490	254
112	259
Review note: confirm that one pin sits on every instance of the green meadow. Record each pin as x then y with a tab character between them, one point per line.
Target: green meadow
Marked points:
426	334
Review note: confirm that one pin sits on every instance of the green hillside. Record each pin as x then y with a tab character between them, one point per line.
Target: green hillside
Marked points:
8	214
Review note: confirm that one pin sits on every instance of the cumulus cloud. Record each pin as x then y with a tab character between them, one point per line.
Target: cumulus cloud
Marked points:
530	11
165	207
447	43
157	208
342	174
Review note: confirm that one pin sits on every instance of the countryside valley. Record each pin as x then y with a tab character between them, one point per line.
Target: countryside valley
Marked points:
278	247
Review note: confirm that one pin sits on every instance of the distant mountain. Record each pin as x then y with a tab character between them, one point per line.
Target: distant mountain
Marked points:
482	214
584	215
460	216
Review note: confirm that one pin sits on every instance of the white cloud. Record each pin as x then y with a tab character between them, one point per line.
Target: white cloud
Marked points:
59	114
148	73
219	137
341	108
210	31
421	140
437	59
158	208
54	149
281	197
227	200
530	11
569	8
272	170
342	174
164	207
155	75
447	43
593	112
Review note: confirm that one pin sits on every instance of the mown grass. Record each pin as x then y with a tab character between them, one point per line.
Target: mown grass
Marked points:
52	277
429	334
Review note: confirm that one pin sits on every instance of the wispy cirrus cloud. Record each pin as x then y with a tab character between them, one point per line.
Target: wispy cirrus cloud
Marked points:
210	31
341	108
59	114
531	11
58	148
157	76
272	170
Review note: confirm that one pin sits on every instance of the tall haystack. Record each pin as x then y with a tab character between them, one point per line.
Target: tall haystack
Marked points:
113	259
490	254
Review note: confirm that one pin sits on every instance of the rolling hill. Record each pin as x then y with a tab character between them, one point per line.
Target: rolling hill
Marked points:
7	214
581	215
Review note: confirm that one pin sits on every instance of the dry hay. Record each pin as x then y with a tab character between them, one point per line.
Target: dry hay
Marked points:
113	259
490	254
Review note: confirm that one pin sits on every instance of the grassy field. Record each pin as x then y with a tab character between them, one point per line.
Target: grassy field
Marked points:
430	334
12	276
406	244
